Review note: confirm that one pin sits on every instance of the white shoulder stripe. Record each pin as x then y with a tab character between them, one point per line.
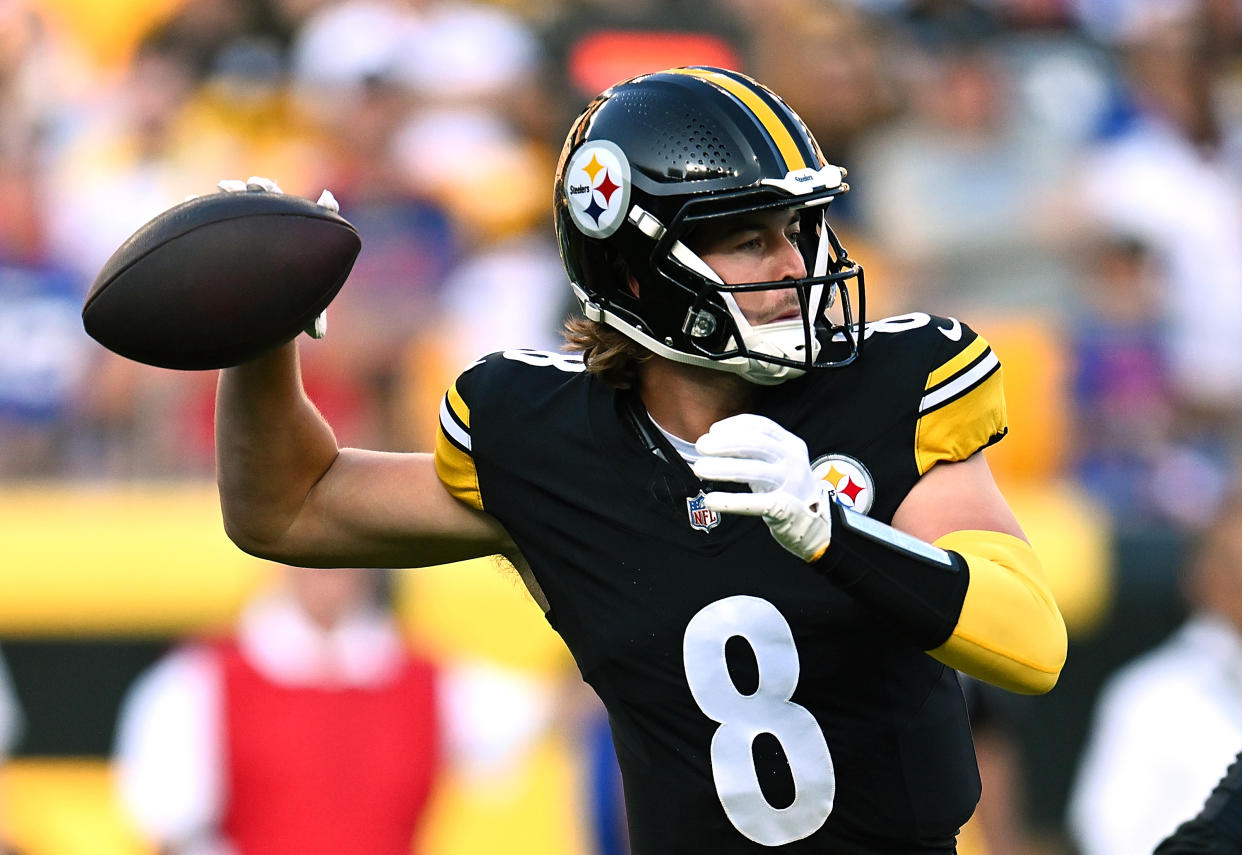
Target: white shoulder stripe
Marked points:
960	383
449	425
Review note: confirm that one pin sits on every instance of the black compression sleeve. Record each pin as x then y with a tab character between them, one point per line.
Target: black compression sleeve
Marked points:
917	586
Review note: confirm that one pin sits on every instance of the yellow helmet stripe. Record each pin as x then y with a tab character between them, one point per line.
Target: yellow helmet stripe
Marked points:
765	114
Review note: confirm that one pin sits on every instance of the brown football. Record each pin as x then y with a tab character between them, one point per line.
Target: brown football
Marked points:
219	279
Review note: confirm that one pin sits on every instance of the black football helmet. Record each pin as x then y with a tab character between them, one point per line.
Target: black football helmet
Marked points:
655	156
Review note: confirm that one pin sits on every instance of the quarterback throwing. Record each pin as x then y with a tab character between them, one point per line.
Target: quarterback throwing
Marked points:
764	527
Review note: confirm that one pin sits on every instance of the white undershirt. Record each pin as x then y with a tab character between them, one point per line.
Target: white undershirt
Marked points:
684	447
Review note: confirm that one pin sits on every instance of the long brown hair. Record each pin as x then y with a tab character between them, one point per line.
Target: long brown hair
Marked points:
607	353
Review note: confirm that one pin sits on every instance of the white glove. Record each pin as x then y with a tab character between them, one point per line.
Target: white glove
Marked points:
774	463
256	183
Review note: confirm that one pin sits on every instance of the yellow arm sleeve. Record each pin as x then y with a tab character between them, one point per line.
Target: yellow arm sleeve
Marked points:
1010	632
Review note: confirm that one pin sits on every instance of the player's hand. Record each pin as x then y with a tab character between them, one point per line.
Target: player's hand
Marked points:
254	184
258	184
756	451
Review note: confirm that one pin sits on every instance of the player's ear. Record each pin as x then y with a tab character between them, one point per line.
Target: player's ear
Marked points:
631	283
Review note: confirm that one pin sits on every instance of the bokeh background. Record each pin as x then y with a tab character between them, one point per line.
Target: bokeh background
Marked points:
1064	175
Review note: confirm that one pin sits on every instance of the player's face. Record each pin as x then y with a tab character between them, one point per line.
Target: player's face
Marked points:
755	247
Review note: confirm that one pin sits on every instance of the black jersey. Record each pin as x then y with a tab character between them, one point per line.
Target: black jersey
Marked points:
753	704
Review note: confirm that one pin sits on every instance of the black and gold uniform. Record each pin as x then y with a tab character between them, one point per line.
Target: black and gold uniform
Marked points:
754	704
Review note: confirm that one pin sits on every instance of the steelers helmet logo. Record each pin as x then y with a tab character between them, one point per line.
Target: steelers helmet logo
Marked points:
597	185
849	479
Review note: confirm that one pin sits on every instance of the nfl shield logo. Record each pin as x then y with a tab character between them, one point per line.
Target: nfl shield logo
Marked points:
701	518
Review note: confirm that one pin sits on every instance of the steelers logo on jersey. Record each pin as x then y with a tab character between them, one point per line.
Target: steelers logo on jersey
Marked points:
849	479
597	185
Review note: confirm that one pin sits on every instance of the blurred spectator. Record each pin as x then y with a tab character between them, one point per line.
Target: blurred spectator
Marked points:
414	104
200	98
1168	723
1166	170
958	188
830	62
1122	392
311	729
510	293
44	365
44	359
207	30
31	90
126	161
595	43
464	52
508	288
201	30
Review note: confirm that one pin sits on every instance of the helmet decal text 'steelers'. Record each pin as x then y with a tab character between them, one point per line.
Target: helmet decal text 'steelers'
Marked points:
597	185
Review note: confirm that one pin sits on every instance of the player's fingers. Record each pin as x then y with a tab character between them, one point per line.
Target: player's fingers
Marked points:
758	474
753	425
750	435
258	182
745	504
748	423
327	200
232	185
318	328
730	442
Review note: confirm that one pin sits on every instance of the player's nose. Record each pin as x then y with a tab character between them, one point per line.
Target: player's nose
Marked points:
788	262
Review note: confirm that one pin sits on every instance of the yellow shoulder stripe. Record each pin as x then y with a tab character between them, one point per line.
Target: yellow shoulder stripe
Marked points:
959	428
968	355
459	405
454	463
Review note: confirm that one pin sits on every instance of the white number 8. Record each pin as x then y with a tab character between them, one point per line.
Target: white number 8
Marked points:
768	710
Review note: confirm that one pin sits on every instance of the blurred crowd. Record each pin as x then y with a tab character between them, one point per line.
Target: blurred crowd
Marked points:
1064	175
1070	164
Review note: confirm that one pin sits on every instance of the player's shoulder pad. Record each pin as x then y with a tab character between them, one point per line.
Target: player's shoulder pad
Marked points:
962	407
919	330
936	347
492	388
958	360
509	372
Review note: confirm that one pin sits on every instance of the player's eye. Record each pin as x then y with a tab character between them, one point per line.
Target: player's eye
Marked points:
748	242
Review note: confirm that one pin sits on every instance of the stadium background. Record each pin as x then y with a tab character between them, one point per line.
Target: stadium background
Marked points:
437	124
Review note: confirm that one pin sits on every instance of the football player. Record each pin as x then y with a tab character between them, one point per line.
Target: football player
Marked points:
764	528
